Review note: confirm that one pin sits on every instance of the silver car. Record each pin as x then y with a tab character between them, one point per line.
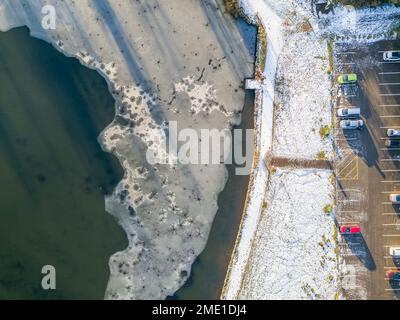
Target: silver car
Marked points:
391	55
394	198
348	112
394	252
351	124
393	133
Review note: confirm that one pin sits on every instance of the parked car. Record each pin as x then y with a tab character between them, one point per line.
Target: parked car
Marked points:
393	275
394	198
391	55
348	91
351	124
392	143
350	229
347	78
393	133
349	112
394	252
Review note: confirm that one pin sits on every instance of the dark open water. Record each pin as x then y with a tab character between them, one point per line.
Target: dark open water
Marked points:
53	173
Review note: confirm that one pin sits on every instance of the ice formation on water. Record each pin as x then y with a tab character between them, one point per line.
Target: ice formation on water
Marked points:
163	60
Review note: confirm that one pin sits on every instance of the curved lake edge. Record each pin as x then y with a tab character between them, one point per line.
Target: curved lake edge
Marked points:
61	127
109	83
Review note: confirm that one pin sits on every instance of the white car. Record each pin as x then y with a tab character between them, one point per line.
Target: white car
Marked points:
394	198
394	252
351	124
348	112
393	133
391	55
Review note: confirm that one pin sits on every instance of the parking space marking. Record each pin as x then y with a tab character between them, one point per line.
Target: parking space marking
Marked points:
392	127
350	170
389	84
385	149
389	94
391	235
390	224
390	72
389	105
392	116
390	170
346	139
388	62
390	214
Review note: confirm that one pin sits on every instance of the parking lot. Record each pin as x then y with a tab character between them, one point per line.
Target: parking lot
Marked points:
367	171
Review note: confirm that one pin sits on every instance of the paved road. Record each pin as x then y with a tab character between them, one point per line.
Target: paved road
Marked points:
368	172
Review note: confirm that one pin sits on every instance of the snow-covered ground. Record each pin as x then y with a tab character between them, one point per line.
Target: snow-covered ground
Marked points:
278	254
302	104
293	253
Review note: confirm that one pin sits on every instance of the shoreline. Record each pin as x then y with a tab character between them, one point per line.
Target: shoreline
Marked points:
259	174
158	261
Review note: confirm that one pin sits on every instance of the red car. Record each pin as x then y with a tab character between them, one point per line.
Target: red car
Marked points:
393	275
350	229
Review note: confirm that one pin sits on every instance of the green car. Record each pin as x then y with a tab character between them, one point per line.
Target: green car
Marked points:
347	78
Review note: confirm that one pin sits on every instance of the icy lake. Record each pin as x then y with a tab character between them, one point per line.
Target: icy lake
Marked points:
54	173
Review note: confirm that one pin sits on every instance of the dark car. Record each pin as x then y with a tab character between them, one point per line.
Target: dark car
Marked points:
392	143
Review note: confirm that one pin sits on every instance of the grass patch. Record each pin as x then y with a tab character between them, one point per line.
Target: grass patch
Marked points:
328	208
261	51
264	205
325	131
330	55
321	155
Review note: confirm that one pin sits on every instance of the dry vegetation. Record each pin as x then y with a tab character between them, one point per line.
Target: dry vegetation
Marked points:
232	7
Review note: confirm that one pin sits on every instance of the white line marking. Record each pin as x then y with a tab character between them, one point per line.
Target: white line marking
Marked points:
391	235
392	289
392	181
395	116
390	72
389	62
346	139
394	149
390	170
389	94
390	214
390	84
389	105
